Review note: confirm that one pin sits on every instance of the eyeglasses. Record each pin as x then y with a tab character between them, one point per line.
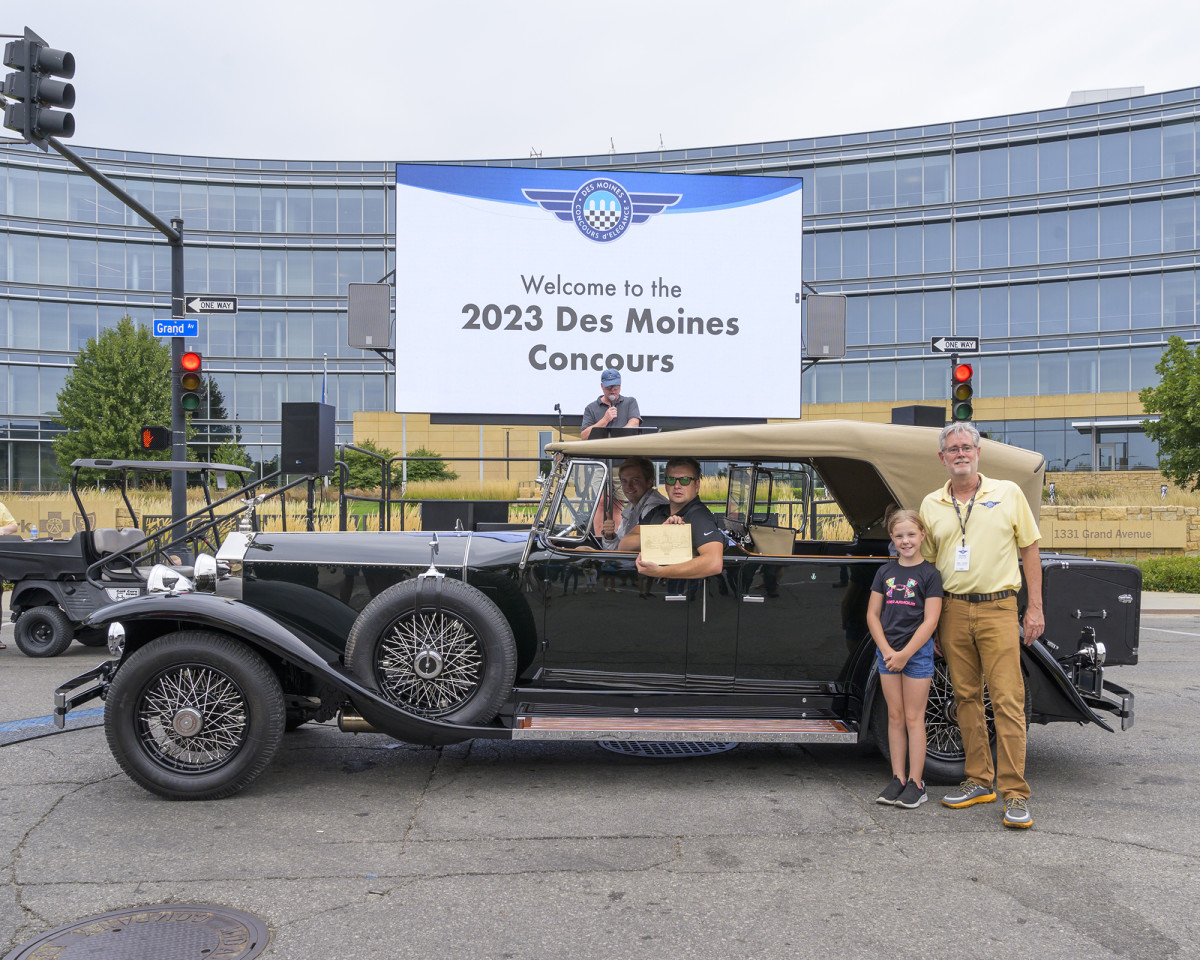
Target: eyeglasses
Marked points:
954	451
682	481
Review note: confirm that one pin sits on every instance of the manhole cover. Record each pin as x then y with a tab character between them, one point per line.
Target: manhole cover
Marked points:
665	748
175	931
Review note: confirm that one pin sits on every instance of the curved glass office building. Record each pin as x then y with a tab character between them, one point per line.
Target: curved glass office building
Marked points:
1065	239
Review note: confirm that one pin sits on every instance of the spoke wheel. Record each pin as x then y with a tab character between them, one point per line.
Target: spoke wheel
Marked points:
194	716
436	648
429	663
945	756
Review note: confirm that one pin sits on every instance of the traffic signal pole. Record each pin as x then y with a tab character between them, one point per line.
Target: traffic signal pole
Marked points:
178	418
174	234
31	102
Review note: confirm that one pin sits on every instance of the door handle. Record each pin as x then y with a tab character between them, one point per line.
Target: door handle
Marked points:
749	599
678	596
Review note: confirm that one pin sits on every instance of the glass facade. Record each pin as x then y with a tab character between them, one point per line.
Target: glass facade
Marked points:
1066	239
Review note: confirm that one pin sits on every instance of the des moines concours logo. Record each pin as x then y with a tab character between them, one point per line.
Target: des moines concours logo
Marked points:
601	209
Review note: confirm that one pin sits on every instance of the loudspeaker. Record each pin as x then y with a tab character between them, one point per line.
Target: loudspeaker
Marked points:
919	416
369	315
825	333
306	438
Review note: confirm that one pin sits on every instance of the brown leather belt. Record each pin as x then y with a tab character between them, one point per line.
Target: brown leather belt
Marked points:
982	597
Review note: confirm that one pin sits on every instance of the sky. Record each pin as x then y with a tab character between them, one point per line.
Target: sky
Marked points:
485	79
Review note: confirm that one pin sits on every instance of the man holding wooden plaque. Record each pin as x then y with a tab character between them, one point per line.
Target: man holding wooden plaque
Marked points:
679	540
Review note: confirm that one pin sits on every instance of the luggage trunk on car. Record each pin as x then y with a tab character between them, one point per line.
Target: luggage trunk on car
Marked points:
1088	600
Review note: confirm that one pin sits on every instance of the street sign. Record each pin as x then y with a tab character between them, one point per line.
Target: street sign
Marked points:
202	303
177	327
955	344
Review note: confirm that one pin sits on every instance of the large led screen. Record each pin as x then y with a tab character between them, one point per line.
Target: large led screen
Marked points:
516	288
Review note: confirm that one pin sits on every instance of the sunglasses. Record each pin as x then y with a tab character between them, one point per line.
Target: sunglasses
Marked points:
682	481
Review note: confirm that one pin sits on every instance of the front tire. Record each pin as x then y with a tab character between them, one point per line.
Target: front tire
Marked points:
43	632
437	648
194	716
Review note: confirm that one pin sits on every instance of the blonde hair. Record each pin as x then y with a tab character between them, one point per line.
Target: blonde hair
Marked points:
898	516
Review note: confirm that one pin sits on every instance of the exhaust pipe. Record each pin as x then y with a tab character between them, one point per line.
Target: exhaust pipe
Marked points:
351	721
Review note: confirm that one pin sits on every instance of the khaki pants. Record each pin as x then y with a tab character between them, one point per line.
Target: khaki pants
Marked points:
981	640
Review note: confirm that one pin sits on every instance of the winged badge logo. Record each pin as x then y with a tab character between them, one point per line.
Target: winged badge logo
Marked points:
601	209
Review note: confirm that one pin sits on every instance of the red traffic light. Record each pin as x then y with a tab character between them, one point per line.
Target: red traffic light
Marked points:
190	381
962	373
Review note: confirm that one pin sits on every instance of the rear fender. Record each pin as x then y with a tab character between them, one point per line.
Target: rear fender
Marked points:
151	616
1054	696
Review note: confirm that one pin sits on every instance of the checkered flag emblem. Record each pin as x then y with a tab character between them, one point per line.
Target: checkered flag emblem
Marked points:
602	217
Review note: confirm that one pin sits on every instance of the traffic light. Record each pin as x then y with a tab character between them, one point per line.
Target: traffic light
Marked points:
32	91
961	393
156	438
190	381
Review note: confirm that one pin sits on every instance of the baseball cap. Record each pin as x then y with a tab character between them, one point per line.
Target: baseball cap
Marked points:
610	377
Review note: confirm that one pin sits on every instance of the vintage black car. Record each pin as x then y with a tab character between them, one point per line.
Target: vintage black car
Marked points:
499	633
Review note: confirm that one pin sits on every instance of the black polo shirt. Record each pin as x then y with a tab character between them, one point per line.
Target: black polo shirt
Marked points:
627	409
704	524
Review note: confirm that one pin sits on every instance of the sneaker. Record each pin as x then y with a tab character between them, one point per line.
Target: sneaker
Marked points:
891	792
969	792
1016	813
912	797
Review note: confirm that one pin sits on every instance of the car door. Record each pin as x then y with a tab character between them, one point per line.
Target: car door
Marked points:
800	618
627	633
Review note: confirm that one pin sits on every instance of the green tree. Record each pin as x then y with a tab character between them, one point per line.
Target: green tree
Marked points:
366	472
121	380
1177	399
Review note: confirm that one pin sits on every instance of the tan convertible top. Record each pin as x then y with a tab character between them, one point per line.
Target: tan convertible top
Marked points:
867	467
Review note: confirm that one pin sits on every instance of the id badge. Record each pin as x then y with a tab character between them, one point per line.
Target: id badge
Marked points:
962	558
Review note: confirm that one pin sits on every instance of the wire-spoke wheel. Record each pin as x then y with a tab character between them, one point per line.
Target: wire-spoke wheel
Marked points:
945	755
430	663
437	648
192	718
194	715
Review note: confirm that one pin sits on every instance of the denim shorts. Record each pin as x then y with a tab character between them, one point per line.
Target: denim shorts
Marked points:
919	666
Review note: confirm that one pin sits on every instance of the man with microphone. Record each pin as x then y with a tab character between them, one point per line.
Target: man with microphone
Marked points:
610	409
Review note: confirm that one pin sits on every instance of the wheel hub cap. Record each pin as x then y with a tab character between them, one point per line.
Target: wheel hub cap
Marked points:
187	722
427	664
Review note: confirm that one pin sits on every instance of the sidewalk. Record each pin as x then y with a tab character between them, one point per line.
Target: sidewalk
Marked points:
1178	604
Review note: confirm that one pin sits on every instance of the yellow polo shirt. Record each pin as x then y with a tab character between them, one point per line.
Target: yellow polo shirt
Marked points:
1001	524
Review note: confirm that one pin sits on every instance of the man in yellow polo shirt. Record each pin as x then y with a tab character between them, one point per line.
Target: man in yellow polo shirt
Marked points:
977	528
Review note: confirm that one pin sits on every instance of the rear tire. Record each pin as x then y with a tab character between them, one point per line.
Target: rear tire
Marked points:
43	632
945	755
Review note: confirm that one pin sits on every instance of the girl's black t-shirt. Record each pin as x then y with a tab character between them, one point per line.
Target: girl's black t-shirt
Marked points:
905	590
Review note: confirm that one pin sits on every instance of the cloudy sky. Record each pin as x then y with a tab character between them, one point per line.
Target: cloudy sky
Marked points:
475	79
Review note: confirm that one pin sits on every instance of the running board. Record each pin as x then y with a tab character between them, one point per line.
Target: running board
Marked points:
651	729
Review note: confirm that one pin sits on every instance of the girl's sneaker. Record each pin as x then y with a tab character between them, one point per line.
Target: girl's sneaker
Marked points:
891	792
912	797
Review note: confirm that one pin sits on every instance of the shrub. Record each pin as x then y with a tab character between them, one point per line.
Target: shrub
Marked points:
1176	574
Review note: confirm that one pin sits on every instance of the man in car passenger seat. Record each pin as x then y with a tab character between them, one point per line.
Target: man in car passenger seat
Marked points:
708	543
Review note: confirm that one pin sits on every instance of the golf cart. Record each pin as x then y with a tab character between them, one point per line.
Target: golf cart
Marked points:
51	594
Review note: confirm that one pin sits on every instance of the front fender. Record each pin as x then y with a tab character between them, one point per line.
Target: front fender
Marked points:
156	614
1054	695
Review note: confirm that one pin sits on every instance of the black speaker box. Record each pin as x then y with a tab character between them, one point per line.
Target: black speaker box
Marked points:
918	416
306	439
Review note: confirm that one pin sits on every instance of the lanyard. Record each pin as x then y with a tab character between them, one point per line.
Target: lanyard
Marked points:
962	521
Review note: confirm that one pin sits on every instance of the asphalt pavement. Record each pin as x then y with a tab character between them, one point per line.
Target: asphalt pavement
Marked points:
358	846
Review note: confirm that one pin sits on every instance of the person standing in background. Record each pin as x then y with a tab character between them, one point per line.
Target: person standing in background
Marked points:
610	409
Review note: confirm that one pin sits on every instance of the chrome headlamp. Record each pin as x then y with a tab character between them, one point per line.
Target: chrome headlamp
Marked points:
165	579
116	640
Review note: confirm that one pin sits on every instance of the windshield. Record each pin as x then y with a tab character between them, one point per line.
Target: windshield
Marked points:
579	492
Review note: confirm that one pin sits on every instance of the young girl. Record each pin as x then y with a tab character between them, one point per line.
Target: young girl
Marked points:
902	615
